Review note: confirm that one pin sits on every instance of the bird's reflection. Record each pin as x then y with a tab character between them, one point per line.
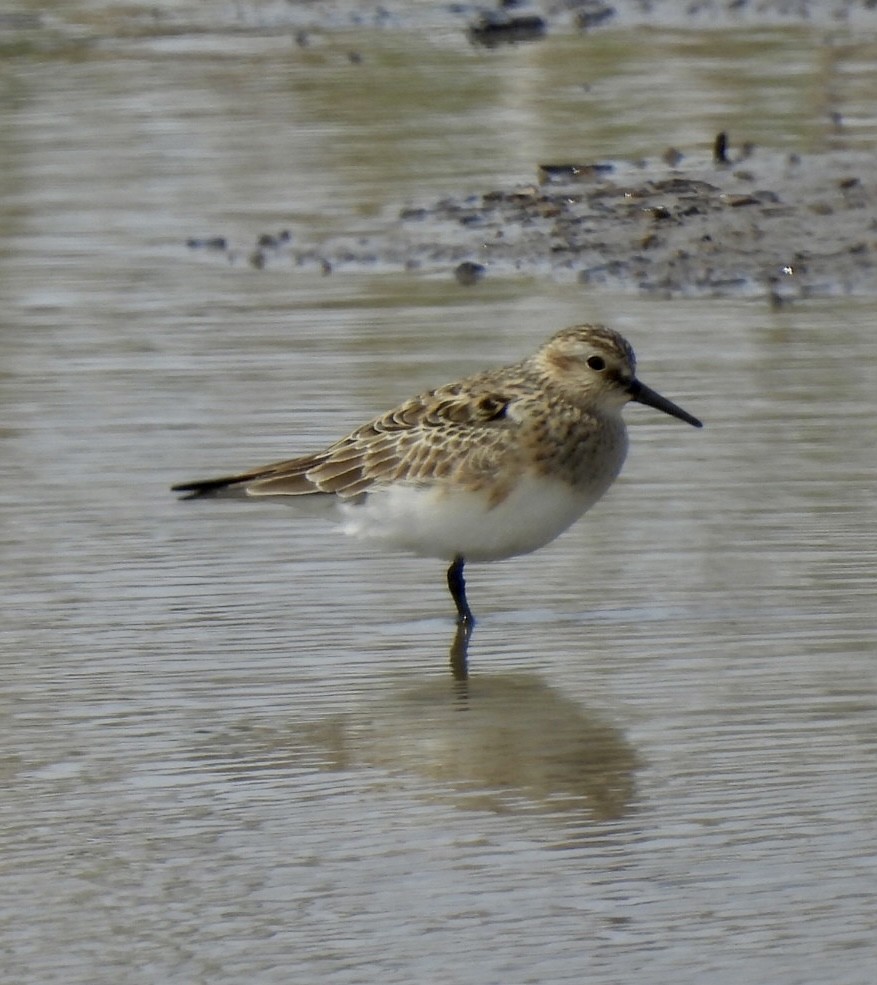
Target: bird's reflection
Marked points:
505	743
460	651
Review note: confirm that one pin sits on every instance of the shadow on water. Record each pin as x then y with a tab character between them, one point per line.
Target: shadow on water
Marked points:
508	744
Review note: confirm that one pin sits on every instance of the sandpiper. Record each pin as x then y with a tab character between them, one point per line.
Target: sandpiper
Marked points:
490	467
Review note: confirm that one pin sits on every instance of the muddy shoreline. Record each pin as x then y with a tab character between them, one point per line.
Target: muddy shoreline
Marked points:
687	221
781	226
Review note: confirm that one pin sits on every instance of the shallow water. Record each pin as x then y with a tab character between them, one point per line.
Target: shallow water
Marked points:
230	744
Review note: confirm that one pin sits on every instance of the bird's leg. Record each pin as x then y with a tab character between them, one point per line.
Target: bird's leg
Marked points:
458	592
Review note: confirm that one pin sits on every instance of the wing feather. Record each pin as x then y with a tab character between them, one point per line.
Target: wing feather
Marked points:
456	434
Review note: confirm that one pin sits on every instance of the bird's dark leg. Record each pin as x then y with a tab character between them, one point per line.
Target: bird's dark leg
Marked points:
458	592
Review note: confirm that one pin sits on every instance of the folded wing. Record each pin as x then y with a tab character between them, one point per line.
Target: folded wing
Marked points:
453	434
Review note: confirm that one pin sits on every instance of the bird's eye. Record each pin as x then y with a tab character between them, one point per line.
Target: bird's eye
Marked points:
597	363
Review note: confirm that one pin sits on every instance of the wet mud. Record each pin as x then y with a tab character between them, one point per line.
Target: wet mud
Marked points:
756	223
720	219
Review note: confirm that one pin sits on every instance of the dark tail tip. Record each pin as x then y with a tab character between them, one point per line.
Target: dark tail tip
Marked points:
195	490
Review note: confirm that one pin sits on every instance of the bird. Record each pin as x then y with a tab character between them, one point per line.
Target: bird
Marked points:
493	466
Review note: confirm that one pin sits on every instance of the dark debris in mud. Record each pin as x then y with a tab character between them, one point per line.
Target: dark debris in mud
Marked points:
485	23
743	224
501	22
494	28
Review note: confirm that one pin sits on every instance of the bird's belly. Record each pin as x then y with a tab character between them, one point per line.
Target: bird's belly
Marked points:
442	522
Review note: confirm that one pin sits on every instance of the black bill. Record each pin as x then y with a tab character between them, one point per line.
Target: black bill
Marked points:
644	395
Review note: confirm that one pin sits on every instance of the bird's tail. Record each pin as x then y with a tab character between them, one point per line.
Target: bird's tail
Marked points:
228	485
286	478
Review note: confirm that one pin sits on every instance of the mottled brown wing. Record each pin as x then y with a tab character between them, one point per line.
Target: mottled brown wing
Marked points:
454	434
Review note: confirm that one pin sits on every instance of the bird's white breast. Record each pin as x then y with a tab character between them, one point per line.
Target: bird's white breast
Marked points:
442	522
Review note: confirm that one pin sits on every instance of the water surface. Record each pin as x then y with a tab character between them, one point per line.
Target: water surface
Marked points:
231	746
